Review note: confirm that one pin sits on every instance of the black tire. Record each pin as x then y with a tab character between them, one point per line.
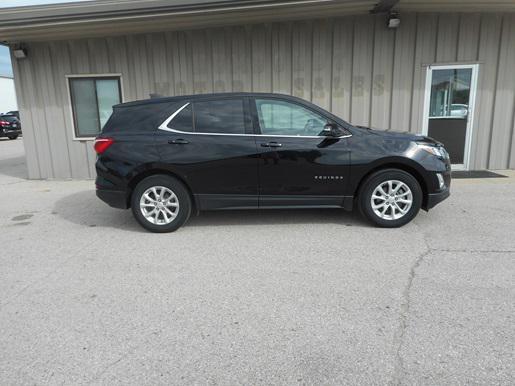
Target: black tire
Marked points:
13	137
182	196
382	176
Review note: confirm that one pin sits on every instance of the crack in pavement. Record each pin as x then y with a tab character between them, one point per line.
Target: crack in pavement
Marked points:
398	340
405	307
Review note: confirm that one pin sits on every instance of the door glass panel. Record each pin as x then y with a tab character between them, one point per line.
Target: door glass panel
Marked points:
108	95
284	118
224	116
85	107
449	109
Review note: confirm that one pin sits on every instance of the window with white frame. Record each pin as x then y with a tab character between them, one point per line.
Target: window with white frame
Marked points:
92	101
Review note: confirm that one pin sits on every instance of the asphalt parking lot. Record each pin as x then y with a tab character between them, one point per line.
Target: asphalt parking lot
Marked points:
247	297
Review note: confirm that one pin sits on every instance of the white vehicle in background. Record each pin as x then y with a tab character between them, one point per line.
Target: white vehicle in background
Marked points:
459	110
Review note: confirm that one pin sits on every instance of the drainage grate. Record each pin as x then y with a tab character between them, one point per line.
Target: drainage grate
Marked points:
476	174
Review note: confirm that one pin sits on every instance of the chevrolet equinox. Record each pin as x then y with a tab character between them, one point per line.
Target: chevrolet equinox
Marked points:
168	157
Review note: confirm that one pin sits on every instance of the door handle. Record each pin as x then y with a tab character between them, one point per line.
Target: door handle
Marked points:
271	144
178	141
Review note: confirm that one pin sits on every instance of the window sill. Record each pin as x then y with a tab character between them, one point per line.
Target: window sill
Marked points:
84	139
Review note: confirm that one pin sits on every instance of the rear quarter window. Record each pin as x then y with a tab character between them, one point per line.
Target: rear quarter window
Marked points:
139	118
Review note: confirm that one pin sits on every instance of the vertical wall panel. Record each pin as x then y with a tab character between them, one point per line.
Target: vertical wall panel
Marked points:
182	63
488	54
382	75
221	60
353	66
425	46
163	78
343	38
447	38
241	63
281	58
55	126
362	70
202	67
38	106
502	122
261	57
468	37
403	69
25	105
302	51
322	63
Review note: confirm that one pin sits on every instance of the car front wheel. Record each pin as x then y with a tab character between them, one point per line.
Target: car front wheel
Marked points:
161	203
390	198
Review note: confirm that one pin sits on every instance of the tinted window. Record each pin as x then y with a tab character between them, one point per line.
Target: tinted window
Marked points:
221	116
278	117
183	121
138	118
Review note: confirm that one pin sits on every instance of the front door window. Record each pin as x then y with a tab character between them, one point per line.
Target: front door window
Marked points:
278	117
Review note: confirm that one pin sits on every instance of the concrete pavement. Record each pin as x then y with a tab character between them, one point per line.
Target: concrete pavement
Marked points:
248	297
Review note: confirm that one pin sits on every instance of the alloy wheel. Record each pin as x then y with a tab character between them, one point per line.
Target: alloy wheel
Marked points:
159	205
391	200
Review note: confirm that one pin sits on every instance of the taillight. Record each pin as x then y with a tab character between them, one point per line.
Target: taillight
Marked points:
102	144
4	123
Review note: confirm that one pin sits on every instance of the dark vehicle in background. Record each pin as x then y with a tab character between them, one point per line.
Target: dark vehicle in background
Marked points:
166	158
10	126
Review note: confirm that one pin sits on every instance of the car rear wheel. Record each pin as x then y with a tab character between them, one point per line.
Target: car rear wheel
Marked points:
390	198
13	137
161	203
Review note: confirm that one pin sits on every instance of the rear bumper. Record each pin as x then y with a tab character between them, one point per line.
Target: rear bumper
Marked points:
114	198
435	198
9	132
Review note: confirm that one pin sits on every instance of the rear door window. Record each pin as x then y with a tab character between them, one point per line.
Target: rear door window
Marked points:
223	116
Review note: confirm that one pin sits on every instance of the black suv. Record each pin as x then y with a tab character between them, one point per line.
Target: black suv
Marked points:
10	126
168	157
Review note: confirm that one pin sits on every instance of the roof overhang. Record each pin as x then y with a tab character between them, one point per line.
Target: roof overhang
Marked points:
104	18
110	17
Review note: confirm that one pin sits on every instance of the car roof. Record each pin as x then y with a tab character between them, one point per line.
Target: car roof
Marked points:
179	98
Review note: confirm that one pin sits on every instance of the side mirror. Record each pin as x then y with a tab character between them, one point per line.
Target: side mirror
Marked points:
332	130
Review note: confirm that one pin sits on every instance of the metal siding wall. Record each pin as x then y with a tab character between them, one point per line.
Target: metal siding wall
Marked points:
504	106
488	55
403	72
353	65
425	53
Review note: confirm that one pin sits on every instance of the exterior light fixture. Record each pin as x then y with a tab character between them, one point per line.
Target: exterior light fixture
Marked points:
393	20
20	53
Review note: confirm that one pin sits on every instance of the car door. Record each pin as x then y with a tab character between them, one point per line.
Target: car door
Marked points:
210	143
298	164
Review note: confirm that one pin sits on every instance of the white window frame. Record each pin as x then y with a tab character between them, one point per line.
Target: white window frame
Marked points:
70	104
472	104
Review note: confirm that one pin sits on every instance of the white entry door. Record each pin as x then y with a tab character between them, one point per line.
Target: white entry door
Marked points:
448	109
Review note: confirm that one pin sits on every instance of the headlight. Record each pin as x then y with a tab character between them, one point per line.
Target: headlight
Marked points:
434	150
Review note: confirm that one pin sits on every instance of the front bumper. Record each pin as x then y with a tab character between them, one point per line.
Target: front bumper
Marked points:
114	198
436	198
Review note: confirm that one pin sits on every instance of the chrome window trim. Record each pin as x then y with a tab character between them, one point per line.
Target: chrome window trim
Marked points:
164	126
